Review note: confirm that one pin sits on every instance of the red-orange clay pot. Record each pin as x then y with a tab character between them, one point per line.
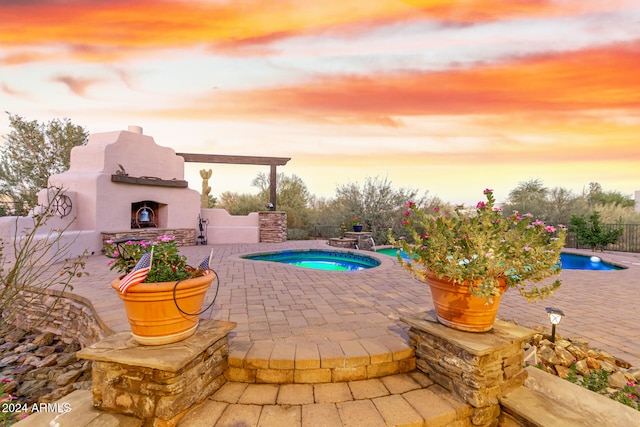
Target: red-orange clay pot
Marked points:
153	314
457	308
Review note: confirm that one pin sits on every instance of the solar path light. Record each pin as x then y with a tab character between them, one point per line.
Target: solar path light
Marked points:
555	316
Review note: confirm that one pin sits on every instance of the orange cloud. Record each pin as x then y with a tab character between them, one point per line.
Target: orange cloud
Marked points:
593	79
17	58
153	23
610	144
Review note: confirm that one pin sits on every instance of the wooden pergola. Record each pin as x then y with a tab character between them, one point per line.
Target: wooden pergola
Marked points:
273	162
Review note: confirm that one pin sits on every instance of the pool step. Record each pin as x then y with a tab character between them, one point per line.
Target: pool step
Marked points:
311	363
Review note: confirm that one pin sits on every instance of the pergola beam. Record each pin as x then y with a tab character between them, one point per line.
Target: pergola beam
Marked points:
273	162
234	160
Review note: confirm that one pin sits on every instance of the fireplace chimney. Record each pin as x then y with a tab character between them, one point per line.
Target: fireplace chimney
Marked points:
135	129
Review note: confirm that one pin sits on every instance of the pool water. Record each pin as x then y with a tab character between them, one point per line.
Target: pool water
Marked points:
583	262
568	261
391	252
319	259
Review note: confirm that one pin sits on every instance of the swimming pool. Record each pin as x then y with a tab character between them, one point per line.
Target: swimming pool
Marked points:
318	259
568	261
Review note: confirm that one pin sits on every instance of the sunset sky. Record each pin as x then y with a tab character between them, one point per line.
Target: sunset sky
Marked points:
446	96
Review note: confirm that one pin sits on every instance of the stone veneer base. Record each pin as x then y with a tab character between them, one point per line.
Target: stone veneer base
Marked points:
182	236
478	367
363	239
273	226
158	384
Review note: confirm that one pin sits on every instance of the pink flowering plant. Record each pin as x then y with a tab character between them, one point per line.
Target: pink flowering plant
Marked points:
167	263
478	248
10	406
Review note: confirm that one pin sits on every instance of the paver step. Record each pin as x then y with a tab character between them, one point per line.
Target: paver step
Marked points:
305	363
408	399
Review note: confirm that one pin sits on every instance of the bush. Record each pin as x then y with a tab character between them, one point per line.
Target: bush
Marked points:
592	233
37	264
297	234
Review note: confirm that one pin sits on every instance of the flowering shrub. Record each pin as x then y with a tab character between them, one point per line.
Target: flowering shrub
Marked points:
627	396
124	256
478	249
597	380
167	264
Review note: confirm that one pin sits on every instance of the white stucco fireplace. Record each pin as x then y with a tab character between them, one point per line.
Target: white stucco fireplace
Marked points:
123	183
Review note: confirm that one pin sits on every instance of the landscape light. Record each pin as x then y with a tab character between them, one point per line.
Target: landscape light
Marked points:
555	316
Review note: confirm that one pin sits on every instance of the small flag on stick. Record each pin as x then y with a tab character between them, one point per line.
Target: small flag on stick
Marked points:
206	263
138	274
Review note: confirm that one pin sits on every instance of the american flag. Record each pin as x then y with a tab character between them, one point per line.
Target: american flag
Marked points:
138	274
205	264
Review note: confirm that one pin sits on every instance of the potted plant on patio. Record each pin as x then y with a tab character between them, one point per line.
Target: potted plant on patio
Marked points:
163	296
470	259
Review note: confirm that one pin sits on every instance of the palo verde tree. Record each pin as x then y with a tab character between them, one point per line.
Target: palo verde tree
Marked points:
32	152
596	196
239	204
292	196
528	197
377	203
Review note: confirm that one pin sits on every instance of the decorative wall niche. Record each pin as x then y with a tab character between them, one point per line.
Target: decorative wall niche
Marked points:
146	214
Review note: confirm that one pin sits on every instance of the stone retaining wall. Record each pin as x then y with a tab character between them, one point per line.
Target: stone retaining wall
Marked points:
67	315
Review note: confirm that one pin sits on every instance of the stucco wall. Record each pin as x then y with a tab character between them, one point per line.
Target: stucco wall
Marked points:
226	228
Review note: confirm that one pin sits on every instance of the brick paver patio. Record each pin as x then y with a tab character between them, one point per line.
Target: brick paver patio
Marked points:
289	316
278	303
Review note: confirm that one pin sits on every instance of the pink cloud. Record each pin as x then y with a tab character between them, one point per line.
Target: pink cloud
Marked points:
76	85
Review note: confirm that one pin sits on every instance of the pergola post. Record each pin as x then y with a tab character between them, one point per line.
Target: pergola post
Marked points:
272	187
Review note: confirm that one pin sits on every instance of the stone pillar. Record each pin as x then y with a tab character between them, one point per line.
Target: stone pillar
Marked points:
478	367
158	384
273	226
342	242
363	239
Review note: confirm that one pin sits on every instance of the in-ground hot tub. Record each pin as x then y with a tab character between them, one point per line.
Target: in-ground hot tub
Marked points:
318	259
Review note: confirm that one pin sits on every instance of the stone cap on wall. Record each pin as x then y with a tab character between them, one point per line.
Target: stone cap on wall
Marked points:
503	334
121	348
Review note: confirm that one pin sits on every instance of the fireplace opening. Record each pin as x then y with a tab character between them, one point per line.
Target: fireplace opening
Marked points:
144	214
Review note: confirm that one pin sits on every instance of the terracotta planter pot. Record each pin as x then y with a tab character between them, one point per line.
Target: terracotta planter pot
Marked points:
457	308
153	314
